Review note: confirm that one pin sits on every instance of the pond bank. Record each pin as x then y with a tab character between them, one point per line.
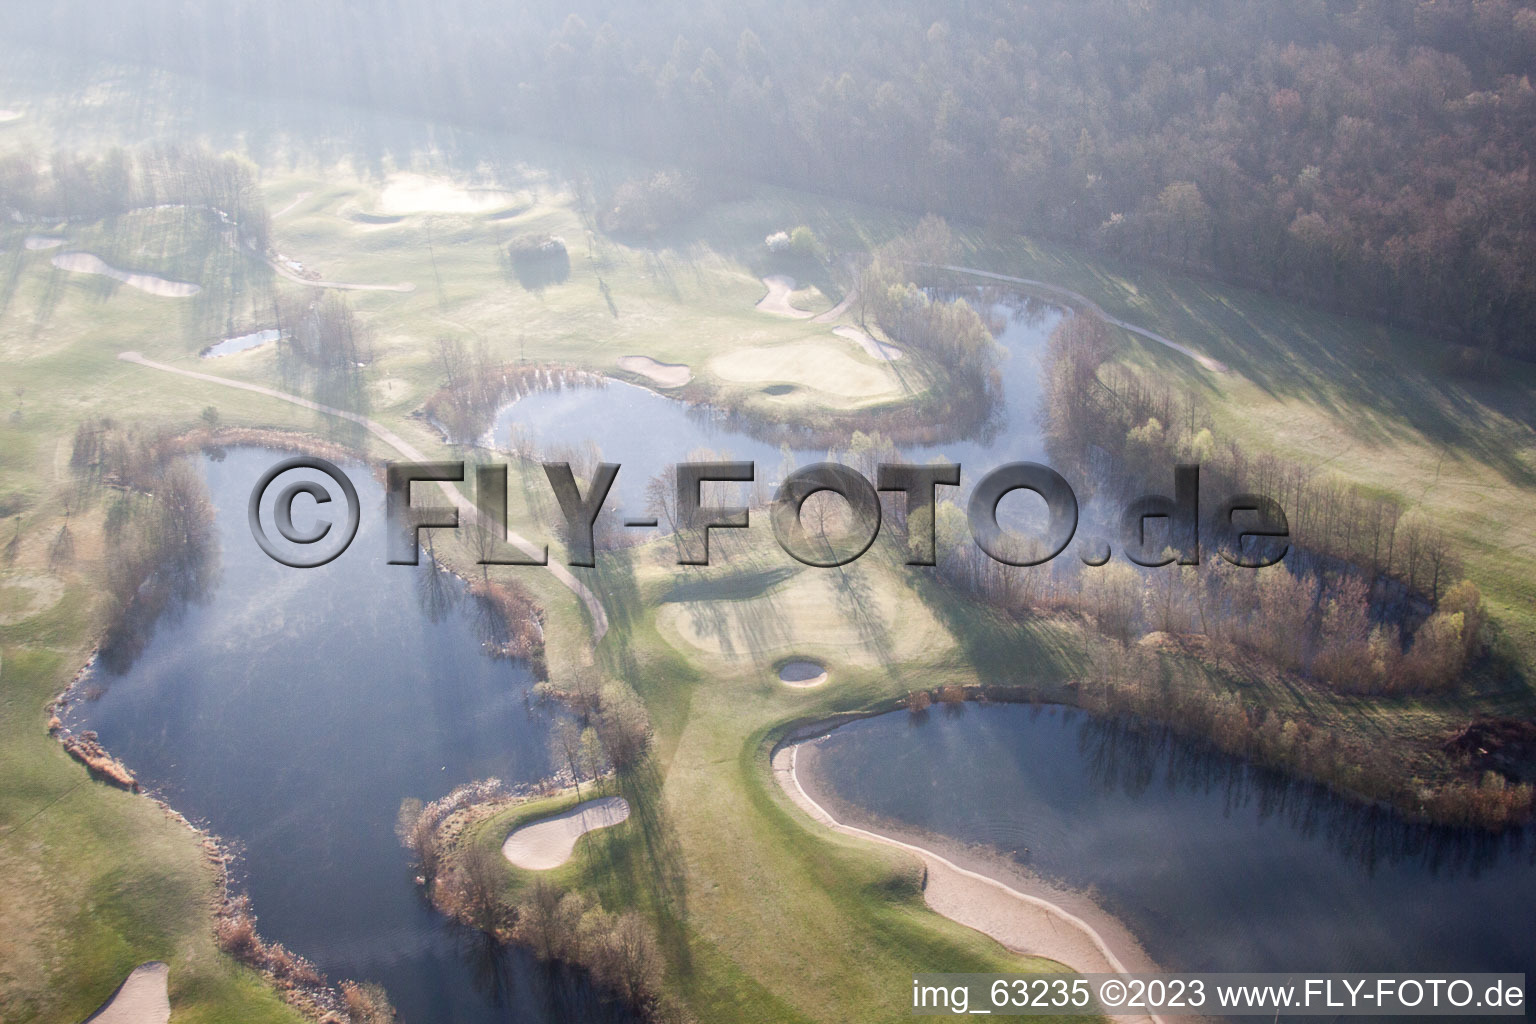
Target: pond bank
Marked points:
981	890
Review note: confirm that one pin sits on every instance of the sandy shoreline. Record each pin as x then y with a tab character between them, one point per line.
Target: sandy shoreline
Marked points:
979	888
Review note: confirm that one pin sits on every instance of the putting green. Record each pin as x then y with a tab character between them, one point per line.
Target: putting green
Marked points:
852	617
816	365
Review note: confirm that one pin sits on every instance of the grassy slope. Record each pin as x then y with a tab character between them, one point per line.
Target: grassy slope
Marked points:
98	880
1347	396
767	917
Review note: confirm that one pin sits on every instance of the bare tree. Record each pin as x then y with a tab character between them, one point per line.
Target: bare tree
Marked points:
480	875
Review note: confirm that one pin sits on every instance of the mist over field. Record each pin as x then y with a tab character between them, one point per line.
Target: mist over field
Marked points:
1373	157
999	489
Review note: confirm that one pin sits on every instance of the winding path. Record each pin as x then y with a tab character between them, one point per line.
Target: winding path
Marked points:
1023	923
403	286
466	508
1214	365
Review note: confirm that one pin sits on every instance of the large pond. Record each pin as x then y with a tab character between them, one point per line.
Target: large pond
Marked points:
644	432
1214	865
293	710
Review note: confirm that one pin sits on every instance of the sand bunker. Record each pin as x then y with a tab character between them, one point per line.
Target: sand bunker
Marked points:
9	115
36	242
144	998
820	365
876	349
667	375
780	287
548	842
802	673
416	193
88	263
1021	921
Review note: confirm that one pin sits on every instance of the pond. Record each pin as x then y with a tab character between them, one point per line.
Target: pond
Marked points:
242	343
644	432
1213	865
293	710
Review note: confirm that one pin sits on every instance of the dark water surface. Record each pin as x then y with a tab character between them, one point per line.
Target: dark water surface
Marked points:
295	709
1214	865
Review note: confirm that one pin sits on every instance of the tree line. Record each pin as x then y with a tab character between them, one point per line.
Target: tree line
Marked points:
1374	157
158	527
87	187
1367	600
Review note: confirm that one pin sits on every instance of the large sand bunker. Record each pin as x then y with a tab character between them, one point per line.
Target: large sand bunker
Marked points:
666	375
89	263
876	349
144	998
9	115
417	193
821	365
1021	921
780	287
548	842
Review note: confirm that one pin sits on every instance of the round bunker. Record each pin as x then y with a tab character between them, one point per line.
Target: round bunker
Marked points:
549	842
802	673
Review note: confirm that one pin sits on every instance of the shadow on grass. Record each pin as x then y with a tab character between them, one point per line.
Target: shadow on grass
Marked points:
1381	383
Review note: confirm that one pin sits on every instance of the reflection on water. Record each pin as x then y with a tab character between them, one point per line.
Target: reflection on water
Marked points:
242	343
294	709
1214	864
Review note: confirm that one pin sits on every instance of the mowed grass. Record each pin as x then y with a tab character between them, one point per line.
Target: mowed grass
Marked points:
767	916
764	915
107	880
680	303
811	611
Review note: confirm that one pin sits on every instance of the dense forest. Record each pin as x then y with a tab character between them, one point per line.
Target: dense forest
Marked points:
1368	155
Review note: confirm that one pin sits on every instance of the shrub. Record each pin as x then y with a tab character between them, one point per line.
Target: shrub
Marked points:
803	242
367	1003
